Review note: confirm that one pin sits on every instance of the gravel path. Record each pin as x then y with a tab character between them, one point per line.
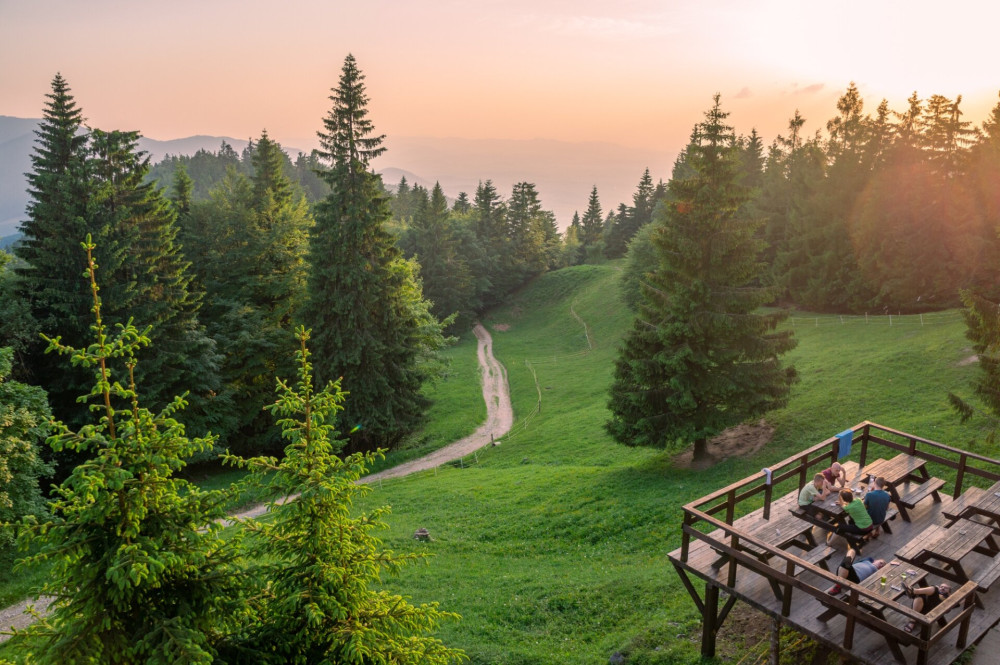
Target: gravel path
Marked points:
499	419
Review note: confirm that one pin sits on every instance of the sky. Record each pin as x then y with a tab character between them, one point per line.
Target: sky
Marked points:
637	74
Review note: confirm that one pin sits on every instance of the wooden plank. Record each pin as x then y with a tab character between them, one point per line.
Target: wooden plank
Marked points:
925	489
955	509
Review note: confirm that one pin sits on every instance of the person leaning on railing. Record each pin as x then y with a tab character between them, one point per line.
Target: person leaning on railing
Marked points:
858	523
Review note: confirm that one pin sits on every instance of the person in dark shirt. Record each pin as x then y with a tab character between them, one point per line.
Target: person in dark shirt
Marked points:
877	503
926	599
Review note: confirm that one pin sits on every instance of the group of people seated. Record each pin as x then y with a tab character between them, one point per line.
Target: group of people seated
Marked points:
864	518
863	521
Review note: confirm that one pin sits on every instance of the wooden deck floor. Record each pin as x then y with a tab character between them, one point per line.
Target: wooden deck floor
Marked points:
869	647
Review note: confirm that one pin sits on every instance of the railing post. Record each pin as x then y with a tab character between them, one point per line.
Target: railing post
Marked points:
864	447
730	506
962	462
849	626
686	537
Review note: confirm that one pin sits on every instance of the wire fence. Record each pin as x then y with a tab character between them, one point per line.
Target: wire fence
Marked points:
881	319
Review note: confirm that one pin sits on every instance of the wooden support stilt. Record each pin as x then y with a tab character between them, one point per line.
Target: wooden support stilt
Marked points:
775	658
709	616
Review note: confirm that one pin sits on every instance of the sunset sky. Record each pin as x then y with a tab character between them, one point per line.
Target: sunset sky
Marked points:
635	73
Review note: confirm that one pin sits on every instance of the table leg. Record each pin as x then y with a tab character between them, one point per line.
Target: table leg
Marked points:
897	653
899	504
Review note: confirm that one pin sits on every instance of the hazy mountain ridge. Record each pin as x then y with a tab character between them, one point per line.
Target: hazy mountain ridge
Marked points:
564	172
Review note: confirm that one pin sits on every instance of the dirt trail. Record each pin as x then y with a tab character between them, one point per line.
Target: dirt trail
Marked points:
499	419
499	416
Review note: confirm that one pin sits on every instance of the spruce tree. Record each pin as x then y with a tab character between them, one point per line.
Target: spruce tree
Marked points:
591	223
364	331
49	275
462	204
270	184
319	563
700	357
148	278
446	277
182	189
24	425
139	574
248	246
530	232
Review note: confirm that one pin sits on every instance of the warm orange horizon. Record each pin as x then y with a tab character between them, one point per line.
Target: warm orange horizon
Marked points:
637	74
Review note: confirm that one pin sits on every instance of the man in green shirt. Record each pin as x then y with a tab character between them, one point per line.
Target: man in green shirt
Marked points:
813	492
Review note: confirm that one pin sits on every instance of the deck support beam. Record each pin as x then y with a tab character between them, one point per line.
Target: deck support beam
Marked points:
712	616
709	616
775	658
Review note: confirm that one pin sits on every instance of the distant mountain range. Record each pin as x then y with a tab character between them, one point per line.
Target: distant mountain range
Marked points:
563	172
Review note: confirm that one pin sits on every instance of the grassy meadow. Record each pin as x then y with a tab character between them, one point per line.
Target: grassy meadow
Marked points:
552	546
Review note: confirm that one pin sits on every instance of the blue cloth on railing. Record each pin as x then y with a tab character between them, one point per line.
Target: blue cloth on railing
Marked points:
846	439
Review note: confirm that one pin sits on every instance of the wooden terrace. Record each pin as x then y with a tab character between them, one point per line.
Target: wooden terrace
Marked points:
750	542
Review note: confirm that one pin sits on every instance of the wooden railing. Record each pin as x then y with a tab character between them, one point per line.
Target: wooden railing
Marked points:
783	576
806	463
719	509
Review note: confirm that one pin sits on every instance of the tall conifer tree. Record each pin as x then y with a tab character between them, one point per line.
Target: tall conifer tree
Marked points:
699	358
148	277
248	244
363	327
49	278
591	224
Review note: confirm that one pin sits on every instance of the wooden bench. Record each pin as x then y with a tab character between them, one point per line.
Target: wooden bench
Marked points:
986	578
954	510
927	488
819	556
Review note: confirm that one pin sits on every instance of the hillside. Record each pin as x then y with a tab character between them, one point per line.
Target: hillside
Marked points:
552	546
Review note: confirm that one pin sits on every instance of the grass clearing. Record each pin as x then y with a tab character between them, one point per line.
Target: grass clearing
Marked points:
553	547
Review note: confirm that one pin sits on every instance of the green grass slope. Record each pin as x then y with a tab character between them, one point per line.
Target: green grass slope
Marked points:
552	546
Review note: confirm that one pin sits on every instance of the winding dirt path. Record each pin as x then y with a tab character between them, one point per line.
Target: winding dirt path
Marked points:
499	416
499	419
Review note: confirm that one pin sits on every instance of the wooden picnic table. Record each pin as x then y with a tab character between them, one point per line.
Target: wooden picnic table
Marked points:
828	513
782	531
986	504
897	470
941	550
891	590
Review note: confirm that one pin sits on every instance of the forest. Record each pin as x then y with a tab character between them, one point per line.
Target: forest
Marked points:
225	264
